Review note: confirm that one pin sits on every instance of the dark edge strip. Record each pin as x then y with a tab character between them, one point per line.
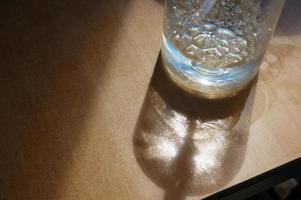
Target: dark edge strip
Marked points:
260	183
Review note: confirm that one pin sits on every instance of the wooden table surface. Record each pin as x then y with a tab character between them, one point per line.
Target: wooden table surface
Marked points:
74	76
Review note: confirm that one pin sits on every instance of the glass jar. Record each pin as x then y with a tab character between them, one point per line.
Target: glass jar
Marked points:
213	48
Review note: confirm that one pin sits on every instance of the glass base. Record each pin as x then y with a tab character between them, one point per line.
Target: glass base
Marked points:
209	82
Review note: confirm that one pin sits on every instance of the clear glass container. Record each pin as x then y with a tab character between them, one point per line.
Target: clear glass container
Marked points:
214	48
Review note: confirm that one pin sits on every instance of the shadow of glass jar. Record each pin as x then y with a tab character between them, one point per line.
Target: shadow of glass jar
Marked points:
188	145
